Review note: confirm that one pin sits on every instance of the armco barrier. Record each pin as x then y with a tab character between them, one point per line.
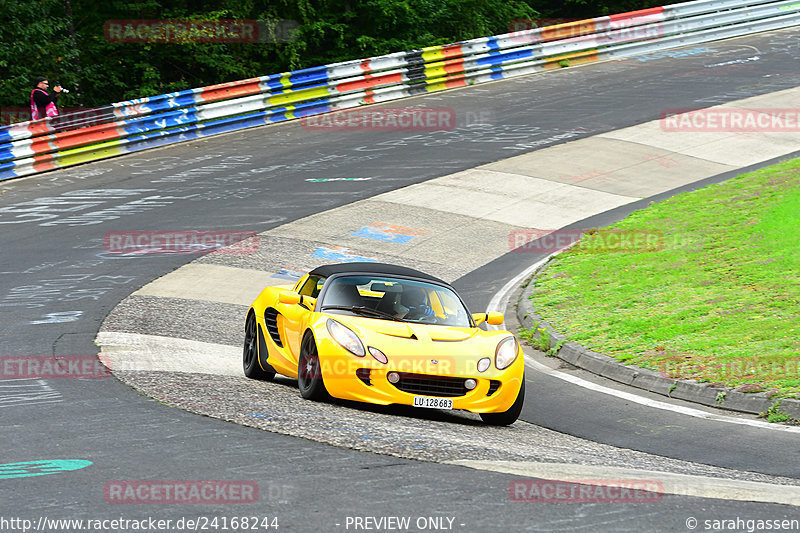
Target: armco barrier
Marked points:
135	125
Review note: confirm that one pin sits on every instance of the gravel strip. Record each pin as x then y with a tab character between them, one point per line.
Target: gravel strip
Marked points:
433	435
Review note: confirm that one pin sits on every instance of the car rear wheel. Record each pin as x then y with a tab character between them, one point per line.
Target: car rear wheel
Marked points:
309	371
507	418
252	369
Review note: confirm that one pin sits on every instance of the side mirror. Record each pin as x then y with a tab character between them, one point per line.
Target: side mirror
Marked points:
495	319
289	297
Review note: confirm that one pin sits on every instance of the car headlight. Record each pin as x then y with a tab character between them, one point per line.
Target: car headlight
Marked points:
378	355
483	364
506	353
346	337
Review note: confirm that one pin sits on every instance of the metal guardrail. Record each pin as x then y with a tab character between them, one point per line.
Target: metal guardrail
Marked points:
135	125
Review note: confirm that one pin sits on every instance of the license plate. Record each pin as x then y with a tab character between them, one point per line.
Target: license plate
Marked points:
433	403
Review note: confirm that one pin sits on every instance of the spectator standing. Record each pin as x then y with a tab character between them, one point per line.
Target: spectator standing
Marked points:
43	104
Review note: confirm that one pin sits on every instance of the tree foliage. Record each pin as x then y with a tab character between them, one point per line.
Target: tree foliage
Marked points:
65	41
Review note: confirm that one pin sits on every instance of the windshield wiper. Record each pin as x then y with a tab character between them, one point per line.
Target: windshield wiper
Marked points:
362	310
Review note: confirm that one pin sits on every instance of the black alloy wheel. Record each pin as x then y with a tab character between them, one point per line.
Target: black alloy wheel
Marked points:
252	368
309	371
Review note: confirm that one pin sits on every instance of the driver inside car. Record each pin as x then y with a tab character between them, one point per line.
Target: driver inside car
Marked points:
414	303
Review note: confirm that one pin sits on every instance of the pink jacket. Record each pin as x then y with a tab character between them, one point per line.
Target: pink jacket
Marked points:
50	109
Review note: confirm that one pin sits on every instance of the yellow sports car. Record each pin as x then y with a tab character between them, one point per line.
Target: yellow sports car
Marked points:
385	334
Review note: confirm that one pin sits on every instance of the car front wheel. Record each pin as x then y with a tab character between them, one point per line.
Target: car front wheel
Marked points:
252	369
309	371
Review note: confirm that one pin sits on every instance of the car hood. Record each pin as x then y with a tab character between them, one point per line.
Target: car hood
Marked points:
406	330
419	331
458	349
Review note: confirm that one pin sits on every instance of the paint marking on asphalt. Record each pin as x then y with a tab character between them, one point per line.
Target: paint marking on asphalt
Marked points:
499	302
677	484
15	392
139	352
210	283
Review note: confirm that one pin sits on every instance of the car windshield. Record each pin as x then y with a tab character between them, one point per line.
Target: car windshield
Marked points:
391	298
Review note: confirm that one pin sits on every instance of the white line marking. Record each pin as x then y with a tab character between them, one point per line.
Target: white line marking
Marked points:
139	352
671	483
499	302
14	392
689	411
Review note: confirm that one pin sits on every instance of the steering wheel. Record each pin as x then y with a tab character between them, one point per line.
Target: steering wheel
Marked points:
418	311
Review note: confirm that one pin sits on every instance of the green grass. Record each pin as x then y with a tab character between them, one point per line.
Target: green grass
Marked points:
719	302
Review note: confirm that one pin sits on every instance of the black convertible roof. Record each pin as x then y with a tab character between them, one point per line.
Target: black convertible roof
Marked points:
373	268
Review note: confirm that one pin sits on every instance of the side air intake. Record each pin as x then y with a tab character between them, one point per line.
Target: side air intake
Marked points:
271	320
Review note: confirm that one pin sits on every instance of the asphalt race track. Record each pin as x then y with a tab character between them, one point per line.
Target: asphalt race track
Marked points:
59	284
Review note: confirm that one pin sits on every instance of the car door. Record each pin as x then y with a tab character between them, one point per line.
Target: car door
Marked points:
296	316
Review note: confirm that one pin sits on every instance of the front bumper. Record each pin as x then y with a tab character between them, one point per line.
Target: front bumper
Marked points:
365	380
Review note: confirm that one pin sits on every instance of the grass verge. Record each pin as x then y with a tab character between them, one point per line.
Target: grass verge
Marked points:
717	298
